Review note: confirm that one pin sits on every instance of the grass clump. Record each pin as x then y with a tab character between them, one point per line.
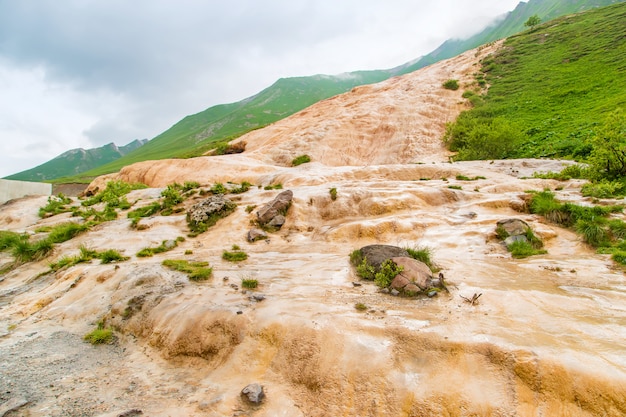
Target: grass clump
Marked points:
249	209
165	246
455	187
110	256
249	283
65	231
523	249
360	307
236	255
451	85
278	186
56	205
465	178
196	271
100	335
302	159
423	254
333	193
114	194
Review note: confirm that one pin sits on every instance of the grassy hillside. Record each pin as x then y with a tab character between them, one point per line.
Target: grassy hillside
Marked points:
199	132
75	161
513	22
551	90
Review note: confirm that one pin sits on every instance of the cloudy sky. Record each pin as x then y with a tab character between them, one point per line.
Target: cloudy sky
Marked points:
83	73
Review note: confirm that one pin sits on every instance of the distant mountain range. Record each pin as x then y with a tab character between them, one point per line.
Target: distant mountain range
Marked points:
75	161
198	133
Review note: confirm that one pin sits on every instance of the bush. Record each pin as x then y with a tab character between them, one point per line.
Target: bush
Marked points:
365	270
475	138
218	188
302	159
388	271
451	84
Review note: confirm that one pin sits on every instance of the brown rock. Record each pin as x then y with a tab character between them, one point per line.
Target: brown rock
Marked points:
276	207
414	271
514	227
399	282
411	289
377	254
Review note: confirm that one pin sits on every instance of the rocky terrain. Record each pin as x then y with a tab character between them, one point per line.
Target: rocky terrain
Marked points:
544	338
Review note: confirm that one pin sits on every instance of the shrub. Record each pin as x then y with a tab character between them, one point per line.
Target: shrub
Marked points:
592	232
388	271
302	159
190	185
250	208
112	194
501	233
245	186
604	189
493	138
451	84
171	196
218	188
365	270
249	283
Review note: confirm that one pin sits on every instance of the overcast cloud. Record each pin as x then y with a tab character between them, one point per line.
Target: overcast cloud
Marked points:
83	73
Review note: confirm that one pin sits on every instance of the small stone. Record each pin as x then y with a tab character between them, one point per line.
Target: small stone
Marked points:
395	293
356	284
234	286
258	297
239	312
253	393
225	279
385	290
432	294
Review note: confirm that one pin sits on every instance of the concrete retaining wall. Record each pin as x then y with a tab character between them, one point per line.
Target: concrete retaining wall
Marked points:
16	189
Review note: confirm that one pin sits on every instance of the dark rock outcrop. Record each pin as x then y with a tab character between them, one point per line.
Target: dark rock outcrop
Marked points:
273	213
377	254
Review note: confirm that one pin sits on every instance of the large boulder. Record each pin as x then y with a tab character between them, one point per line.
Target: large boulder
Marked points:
277	207
377	254
216	205
415	272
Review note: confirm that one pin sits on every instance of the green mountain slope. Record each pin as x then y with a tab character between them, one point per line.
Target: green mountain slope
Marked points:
75	161
553	87
513	22
200	132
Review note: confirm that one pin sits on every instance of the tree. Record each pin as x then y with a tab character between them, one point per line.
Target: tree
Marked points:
608	157
532	21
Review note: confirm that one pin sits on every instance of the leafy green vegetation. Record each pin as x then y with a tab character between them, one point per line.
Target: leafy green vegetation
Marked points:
465	178
273	187
302	159
114	194
550	91
388	271
523	249
64	231
532	21
196	271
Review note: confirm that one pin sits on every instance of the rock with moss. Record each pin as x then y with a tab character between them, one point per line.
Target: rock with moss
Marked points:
377	254
207	212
